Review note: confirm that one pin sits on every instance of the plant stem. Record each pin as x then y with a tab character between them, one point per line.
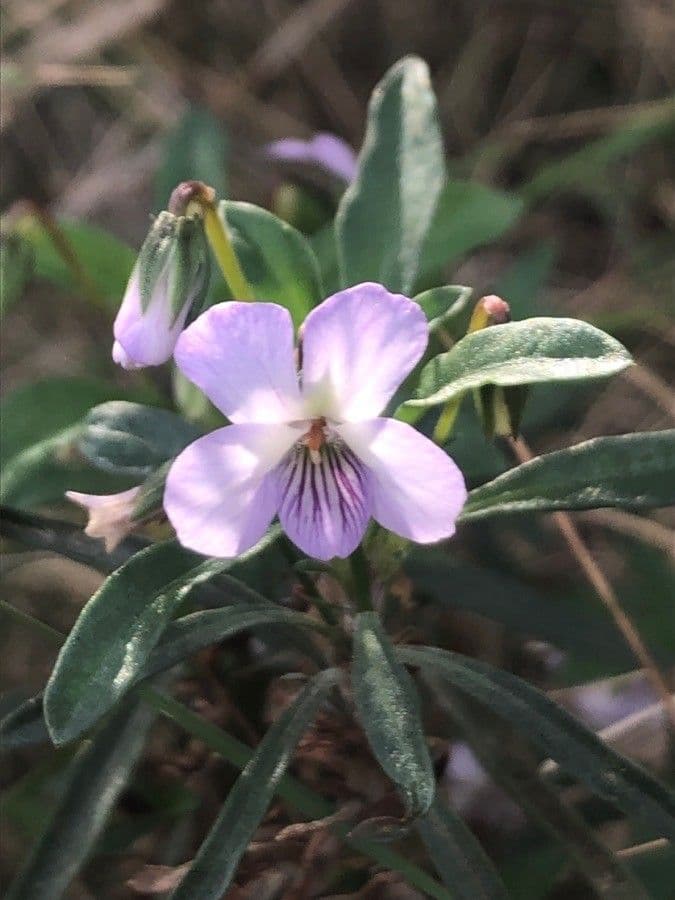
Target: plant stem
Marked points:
604	590
361	580
218	238
236	752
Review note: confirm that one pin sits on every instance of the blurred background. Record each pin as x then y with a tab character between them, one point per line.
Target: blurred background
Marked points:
563	112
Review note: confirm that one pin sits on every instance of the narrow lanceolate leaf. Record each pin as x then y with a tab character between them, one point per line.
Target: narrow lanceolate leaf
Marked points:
444	305
384	216
277	260
98	775
529	352
131	439
110	641
190	633
24	726
557	734
216	863
388	708
458	857
633	471
116	631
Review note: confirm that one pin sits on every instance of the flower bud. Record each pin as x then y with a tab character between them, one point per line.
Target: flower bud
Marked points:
500	409
168	282
110	515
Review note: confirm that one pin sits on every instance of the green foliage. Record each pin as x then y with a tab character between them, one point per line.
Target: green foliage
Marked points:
121	624
195	150
385	214
529	352
468	216
84	259
566	621
556	734
24	725
277	260
40	410
197	630
131	439
388	709
96	778
631	471
458	857
444	305
16	267
215	865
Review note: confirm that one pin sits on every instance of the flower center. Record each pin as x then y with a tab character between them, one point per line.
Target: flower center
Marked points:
315	438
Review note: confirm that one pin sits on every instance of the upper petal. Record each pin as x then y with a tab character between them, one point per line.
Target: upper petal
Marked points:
357	348
220	495
418	491
324	505
241	356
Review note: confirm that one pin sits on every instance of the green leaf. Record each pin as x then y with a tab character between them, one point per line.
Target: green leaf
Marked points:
36	411
529	352
468	215
97	776
388	709
43	473
133	440
631	471
118	628
567	622
277	260
458	857
443	305
190	633
24	726
216	863
99	264
385	214
195	150
113	635
556	733
16	267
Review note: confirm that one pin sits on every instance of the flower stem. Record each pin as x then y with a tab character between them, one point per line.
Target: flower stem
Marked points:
219	240
446	421
361	580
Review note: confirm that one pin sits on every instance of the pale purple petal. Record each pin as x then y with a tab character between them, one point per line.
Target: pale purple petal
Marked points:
220	496
147	337
324	149
241	356
357	348
418	491
109	514
324	506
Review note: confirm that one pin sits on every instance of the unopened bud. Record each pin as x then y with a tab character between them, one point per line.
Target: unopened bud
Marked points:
500	409
490	310
167	284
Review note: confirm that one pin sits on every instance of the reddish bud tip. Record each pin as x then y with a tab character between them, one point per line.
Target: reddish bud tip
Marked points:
189	192
497	309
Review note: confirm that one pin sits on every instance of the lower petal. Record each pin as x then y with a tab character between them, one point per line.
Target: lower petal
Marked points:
221	491
324	505
418	491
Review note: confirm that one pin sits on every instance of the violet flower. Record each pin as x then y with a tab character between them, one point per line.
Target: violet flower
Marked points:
324	149
309	447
